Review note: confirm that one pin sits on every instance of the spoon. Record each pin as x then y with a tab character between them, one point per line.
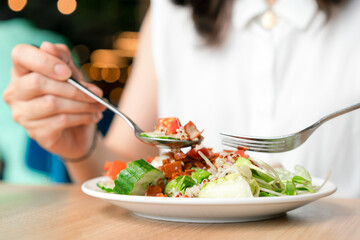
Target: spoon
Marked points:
158	142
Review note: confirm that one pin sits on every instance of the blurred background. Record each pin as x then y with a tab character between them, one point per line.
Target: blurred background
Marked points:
102	36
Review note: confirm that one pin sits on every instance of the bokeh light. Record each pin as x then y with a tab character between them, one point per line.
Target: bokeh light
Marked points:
66	7
17	5
114	95
95	71
108	57
111	74
126	41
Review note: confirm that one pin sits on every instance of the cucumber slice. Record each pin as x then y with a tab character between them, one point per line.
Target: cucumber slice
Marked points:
106	186
156	135
136	177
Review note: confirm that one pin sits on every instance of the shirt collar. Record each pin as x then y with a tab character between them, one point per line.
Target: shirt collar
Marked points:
245	11
297	12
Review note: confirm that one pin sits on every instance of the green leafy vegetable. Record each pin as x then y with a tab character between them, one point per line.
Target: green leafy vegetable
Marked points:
200	175
179	184
300	180
241	161
290	188
265	194
284	174
302	172
281	182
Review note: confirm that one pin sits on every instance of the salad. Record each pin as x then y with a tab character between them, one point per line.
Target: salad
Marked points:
202	173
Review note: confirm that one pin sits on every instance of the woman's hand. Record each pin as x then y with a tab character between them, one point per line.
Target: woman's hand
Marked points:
55	114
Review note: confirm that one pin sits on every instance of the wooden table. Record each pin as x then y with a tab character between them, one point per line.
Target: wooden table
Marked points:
64	212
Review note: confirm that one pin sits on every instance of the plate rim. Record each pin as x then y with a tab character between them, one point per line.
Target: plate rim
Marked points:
327	190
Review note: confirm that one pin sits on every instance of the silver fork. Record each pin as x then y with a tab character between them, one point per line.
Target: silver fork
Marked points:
158	142
279	143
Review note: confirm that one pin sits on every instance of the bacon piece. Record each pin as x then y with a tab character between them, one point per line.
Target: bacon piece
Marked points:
227	151
153	190
189	171
198	164
165	161
187	165
170	168
179	156
161	195
242	148
192	131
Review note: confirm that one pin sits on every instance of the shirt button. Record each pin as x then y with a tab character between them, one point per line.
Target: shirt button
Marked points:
268	20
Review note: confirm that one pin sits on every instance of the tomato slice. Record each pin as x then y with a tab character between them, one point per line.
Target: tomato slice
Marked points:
114	168
149	159
242	153
171	124
192	153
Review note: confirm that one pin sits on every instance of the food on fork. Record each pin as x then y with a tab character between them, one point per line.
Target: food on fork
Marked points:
171	128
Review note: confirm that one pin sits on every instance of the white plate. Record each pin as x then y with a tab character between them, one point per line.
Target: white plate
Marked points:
207	209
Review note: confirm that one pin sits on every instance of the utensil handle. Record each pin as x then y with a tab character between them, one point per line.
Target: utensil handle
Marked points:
110	106
338	113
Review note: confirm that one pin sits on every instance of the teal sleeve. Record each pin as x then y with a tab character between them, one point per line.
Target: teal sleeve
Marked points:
13	137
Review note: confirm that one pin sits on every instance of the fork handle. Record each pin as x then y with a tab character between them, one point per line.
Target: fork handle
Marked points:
110	106
338	113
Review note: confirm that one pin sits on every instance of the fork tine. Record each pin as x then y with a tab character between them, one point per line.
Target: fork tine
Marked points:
263	144
256	148
264	150
247	138
241	142
237	144
253	141
253	146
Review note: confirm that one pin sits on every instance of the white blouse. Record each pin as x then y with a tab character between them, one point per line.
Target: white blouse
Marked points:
268	82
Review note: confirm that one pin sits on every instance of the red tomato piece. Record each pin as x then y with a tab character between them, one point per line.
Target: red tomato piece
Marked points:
114	168
171	124
195	155
150	159
242	153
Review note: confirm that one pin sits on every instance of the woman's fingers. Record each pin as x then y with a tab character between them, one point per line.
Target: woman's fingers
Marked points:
62	51
48	105
34	85
27	58
51	61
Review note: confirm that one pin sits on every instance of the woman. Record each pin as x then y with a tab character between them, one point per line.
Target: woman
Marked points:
250	67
